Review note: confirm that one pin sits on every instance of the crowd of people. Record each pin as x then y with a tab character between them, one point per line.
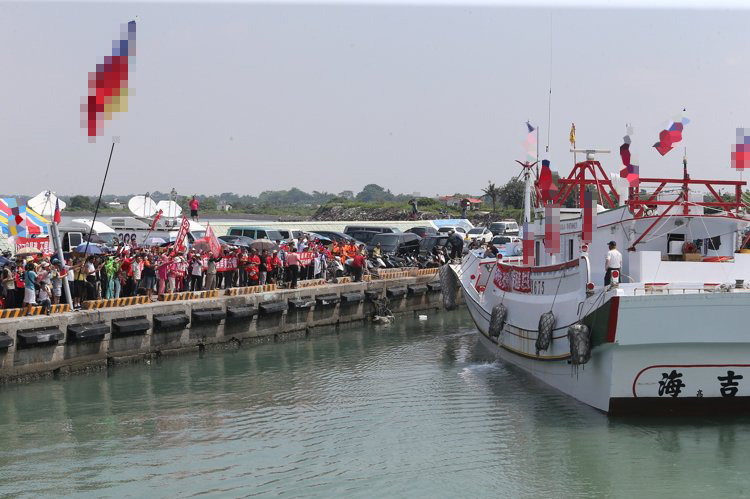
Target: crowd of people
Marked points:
126	271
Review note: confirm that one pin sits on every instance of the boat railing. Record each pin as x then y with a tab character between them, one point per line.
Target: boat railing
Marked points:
659	290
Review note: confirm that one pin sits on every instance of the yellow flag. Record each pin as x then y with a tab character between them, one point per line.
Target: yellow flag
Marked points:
573	134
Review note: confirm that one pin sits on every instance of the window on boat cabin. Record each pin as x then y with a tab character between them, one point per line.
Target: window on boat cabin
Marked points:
570	249
537	252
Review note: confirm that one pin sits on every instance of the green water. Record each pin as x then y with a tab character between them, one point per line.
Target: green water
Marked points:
417	409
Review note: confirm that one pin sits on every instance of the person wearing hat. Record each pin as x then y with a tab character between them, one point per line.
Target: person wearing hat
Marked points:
612	262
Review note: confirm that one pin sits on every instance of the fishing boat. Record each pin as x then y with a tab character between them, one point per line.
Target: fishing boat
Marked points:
667	334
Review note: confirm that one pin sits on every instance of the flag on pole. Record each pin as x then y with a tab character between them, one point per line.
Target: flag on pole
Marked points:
573	134
57	218
156	219
741	150
529	143
179	244
630	169
108	85
671	134
213	242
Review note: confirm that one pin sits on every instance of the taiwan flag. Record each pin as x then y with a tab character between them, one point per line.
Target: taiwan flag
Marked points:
57	216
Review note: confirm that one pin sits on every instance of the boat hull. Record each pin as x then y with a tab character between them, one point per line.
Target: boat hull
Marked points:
651	355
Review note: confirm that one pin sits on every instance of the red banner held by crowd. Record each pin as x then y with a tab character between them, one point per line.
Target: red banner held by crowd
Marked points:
179	244
40	243
305	257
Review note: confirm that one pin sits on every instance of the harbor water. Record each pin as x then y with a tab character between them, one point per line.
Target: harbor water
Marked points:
414	409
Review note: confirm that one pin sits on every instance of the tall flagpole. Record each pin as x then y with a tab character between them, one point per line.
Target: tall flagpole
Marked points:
99	201
55	235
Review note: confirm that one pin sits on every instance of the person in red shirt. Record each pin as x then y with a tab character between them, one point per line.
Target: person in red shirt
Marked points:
274	267
358	266
194	204
253	270
126	268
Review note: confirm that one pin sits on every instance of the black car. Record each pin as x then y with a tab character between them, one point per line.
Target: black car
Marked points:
396	244
364	236
338	237
423	231
430	244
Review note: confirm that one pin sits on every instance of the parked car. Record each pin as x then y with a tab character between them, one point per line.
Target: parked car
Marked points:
255	232
504	228
446	230
396	244
375	228
423	231
237	240
364	236
320	237
430	244
481	234
508	245
289	234
339	237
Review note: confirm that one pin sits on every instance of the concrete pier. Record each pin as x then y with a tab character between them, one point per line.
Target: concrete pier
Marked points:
40	346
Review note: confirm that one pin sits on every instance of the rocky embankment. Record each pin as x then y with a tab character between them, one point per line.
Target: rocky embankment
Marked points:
366	214
359	213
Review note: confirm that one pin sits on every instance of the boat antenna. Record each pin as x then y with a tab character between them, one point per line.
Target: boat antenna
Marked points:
549	97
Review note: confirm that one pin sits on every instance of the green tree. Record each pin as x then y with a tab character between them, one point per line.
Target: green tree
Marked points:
511	194
373	193
492	192
208	203
81	203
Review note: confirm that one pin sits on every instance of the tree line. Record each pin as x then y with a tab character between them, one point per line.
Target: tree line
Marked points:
509	195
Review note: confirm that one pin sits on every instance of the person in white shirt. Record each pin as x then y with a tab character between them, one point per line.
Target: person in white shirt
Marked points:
612	262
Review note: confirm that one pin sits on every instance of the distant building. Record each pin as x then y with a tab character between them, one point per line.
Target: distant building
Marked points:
224	206
474	203
115	204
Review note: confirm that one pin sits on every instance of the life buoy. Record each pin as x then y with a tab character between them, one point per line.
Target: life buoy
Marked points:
689	247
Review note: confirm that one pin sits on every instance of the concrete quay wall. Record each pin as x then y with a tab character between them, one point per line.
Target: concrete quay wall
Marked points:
41	346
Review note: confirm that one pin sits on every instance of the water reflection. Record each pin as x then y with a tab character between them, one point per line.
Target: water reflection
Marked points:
416	408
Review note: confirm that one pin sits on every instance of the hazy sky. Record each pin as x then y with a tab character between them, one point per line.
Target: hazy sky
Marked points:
246	97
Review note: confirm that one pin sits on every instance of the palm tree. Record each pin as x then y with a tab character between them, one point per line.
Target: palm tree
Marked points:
492	192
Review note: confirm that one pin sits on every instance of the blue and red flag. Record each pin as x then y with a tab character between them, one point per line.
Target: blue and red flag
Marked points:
671	134
108	85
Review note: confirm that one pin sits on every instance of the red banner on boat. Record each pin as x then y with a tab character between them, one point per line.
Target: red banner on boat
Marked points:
40	243
509	278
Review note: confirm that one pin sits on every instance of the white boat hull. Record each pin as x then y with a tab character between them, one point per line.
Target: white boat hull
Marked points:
651	354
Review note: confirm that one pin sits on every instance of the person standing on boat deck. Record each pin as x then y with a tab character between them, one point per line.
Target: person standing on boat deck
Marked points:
457	244
194	204
612	262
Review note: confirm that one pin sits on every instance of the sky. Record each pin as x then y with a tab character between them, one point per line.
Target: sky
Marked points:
427	97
